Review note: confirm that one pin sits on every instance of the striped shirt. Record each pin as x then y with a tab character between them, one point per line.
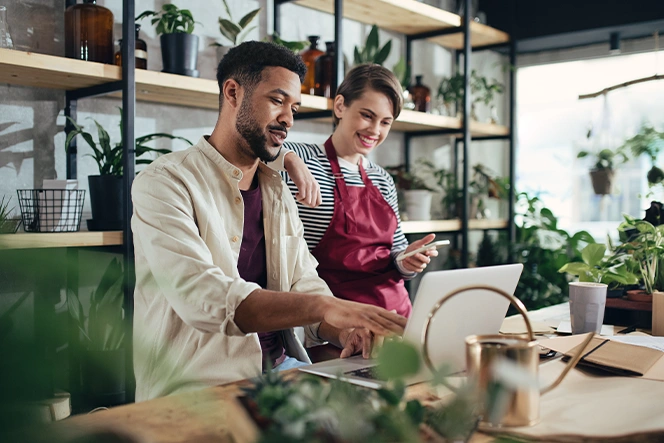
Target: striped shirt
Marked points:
316	220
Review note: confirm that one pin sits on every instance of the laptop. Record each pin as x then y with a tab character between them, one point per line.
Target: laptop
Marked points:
468	313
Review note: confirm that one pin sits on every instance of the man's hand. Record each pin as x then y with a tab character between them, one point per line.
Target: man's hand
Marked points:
419	261
307	186
355	340
343	314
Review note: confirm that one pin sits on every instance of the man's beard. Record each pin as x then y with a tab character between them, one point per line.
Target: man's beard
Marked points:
252	133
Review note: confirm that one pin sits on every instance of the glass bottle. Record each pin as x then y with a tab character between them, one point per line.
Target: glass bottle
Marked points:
89	32
326	79
421	95
5	38
309	57
140	52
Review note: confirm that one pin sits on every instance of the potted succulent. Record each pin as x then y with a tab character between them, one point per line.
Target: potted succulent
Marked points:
417	194
650	142
8	223
603	170
102	334
106	192
232	31
179	47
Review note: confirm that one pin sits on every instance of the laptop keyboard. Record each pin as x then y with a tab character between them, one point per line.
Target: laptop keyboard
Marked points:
370	373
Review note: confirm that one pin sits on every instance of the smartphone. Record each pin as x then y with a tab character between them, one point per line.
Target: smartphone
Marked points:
436	244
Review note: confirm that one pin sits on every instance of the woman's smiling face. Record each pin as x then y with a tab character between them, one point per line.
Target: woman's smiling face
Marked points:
363	125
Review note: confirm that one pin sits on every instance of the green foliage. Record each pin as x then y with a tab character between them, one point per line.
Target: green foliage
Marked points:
543	248
103	329
295	46
600	268
646	247
109	158
232	30
372	52
401	71
451	88
649	142
170	20
606	158
309	409
483	89
406	180
8	224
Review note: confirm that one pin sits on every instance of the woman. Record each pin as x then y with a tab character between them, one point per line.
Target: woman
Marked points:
355	234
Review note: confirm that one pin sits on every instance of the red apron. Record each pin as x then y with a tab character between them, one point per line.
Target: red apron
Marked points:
354	254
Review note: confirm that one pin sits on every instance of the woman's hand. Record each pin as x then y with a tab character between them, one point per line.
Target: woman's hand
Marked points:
308	188
419	261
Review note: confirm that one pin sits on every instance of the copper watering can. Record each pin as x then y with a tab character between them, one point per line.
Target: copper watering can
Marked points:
483	352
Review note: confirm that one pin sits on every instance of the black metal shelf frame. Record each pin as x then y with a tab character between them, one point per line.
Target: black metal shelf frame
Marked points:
128	87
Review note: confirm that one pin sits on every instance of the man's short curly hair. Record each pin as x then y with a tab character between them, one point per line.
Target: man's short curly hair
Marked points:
245	64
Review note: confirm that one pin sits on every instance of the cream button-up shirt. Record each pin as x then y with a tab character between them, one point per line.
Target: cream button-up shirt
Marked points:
187	226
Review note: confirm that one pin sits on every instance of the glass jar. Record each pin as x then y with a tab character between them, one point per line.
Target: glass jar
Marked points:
421	95
5	38
326	79
89	32
309	57
140	52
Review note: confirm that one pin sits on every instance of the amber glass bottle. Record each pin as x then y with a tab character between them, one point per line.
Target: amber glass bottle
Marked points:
309	57
421	95
89	32
326	79
140	53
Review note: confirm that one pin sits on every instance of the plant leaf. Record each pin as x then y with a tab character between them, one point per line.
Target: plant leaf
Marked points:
372	40
575	268
398	359
382	55
244	21
229	29
593	254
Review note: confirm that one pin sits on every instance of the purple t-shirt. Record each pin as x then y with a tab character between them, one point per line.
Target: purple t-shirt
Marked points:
252	265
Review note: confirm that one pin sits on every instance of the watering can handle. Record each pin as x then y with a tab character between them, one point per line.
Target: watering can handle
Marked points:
524	313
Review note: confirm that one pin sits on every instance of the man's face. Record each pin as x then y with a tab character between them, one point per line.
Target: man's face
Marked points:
266	113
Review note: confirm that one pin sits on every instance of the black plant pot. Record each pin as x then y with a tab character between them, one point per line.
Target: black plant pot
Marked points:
179	53
106	201
602	180
103	378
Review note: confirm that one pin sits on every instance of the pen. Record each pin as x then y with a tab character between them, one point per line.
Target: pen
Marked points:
627	330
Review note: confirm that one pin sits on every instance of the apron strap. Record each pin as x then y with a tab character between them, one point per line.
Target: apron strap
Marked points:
340	185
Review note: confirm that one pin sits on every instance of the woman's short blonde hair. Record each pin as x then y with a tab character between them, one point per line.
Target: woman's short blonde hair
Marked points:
371	77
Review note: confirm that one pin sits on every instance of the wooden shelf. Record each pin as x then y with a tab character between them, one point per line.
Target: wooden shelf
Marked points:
47	71
426	226
30	240
411	17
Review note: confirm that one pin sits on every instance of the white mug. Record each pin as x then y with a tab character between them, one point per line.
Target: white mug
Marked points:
586	306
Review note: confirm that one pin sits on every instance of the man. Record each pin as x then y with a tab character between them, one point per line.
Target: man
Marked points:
220	254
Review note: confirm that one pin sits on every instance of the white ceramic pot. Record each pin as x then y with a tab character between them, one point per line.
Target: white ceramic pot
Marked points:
418	204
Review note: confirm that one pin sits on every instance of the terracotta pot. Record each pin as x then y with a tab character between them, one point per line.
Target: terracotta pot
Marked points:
638	295
602	180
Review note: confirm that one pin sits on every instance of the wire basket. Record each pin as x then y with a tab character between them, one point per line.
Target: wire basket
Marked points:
51	210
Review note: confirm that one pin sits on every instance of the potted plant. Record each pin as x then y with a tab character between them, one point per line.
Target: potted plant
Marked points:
8	223
601	175
649	142
450	92
645	243
598	267
486	92
232	31
485	184
102	334
179	47
417	195
106	191
372	52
